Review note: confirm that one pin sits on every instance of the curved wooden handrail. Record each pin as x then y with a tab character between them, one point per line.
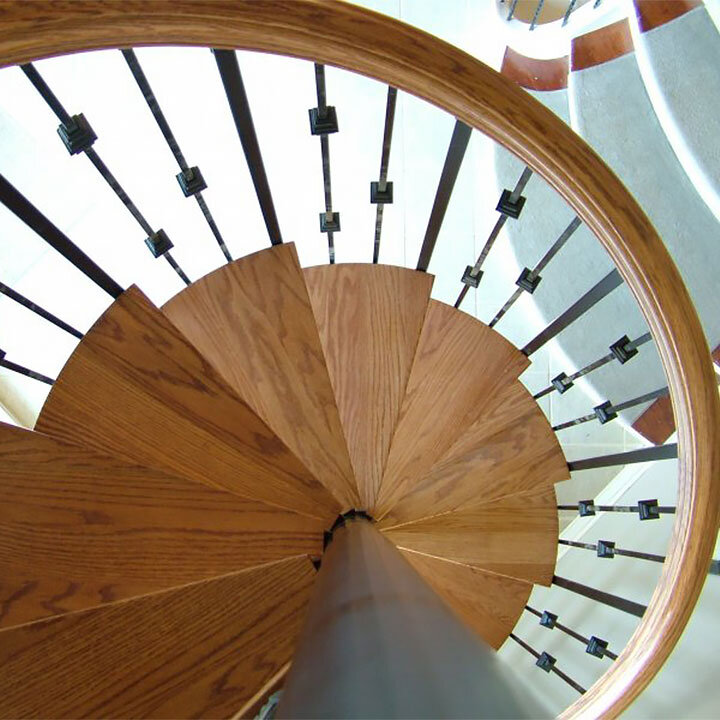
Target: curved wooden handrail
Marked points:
374	45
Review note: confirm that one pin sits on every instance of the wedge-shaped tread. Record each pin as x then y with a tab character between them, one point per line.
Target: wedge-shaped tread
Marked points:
78	529
135	388
252	319
459	365
202	650
481	466
369	318
488	603
514	536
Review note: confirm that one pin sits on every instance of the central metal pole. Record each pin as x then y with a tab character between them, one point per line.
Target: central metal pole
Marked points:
379	643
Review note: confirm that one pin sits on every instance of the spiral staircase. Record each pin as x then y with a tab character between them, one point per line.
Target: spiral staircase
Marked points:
167	525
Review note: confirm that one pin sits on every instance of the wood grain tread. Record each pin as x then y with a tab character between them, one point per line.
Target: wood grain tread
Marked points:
79	529
514	536
253	321
199	651
534	74
601	46
460	364
136	389
509	449
369	318
490	604
655	13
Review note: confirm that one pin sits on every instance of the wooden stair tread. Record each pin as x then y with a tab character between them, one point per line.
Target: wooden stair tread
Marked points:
202	650
523	453
135	388
252	319
514	536
369	318
459	365
488	603
78	529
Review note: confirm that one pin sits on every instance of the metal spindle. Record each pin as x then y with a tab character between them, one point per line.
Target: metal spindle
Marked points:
546	662
611	281
190	179
646	509
600	596
22	300
510	205
323	122
23	370
453	160
536	15
607	411
78	136
529	279
594	645
622	351
607	549
649	454
568	12
511	11
20	206
229	70
382	191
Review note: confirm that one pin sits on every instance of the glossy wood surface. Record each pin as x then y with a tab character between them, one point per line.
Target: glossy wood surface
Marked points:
488	603
369	318
459	365
654	13
515	536
78	529
416	62
136	389
656	423
253	321
601	46
511	448
198	651
534	74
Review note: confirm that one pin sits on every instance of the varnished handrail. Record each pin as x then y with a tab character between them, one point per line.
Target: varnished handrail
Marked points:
346	36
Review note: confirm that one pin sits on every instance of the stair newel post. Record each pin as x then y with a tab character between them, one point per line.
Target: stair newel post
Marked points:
378	642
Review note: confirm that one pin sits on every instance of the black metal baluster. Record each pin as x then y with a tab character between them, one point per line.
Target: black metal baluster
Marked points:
381	192
622	350
323	122
595	646
453	160
22	300
607	549
78	137
656	452
568	12
530	279
23	370
606	411
190	179
611	281
536	15
546	662
600	596
19	205
229	70
511	11
510	205
646	509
